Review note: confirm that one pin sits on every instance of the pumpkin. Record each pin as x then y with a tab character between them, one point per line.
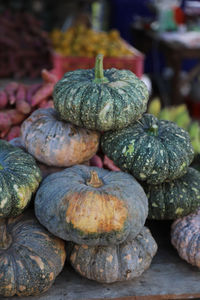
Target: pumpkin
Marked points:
117	262
175	199
100	100
93	206
151	150
30	256
57	143
185	237
19	179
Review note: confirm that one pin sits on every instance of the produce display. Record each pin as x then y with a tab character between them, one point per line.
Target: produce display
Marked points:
115	263
92	206
18	101
100	100
179	115
25	47
79	40
19	179
99	211
185	237
49	139
30	256
174	199
152	150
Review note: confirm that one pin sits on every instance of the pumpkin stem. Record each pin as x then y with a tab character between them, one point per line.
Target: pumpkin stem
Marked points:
98	70
5	238
153	130
94	181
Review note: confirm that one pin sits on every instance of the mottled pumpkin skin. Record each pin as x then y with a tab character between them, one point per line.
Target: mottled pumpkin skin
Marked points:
55	142
34	258
115	263
153	158
185	237
45	170
175	199
19	179
75	211
100	106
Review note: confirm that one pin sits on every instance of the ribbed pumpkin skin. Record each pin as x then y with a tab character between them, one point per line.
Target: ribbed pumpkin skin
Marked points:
57	143
100	106
151	158
75	211
33	260
19	179
185	237
175	199
115	263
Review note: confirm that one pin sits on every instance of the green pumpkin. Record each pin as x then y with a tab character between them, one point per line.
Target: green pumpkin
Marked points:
115	263
151	150
175	199
19	179
100	100
90	205
30	256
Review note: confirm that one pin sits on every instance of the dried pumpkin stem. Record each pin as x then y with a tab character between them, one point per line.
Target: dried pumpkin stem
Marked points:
99	76
5	238
94	181
153	130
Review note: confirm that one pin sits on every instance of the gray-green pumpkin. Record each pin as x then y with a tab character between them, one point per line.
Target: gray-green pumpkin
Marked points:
175	199
19	179
90	205
151	150
115	263
100	99
30	256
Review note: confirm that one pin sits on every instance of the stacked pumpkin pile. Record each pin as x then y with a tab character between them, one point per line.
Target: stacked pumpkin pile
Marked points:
99	212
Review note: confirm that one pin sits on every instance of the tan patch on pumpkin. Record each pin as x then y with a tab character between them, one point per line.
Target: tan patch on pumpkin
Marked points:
109	258
38	260
128	257
22	288
73	257
51	276
85	246
96	213
24	194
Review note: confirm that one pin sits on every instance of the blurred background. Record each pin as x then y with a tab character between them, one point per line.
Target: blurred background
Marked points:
158	40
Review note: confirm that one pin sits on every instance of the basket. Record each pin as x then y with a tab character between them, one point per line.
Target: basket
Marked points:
63	64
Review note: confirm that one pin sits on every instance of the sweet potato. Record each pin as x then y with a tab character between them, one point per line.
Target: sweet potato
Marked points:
46	104
11	89
31	90
5	121
16	117
3	99
4	132
96	161
49	77
108	163
21	103
45	91
13	133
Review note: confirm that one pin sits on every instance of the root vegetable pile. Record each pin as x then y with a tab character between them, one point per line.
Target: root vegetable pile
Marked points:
18	101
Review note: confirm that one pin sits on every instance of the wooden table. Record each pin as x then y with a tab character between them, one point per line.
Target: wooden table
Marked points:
174	52
169	277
